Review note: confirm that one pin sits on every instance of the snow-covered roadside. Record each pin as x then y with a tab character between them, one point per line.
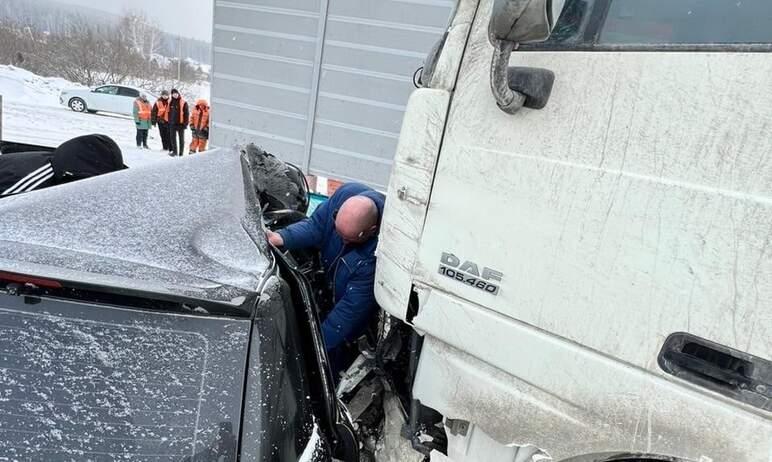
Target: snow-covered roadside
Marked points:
23	87
32	114
51	126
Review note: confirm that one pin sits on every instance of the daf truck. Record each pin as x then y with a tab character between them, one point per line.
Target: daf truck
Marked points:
578	229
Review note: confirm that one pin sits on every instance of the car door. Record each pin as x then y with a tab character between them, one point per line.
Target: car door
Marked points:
125	102
103	98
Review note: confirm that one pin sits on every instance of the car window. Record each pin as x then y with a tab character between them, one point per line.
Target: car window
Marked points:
608	23
107	90
123	91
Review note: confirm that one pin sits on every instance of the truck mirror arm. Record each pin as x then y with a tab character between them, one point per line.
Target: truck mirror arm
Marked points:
515	87
509	100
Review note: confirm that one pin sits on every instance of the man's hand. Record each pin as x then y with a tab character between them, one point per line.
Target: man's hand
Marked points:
275	239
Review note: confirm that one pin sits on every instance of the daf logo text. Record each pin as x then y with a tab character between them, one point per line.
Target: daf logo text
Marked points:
469	273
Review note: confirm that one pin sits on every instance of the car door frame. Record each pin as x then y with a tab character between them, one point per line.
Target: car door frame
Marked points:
331	412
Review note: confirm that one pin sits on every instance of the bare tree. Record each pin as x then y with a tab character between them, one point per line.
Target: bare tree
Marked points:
92	53
141	34
77	53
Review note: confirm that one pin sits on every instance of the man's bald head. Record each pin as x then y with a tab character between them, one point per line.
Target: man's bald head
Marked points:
357	220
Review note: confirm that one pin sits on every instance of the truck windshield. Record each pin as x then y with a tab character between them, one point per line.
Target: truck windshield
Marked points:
629	22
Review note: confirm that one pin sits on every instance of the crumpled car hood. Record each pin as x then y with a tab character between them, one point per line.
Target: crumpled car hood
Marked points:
187	226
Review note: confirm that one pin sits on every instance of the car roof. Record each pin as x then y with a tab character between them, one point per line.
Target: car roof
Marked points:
119	85
141	90
170	227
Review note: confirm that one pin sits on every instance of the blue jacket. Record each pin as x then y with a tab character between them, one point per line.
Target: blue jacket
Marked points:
351	269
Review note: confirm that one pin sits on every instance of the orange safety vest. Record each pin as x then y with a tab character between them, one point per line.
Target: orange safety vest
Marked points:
182	110
143	109
199	120
163	109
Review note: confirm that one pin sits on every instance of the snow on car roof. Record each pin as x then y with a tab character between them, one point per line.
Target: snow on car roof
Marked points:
189	227
119	85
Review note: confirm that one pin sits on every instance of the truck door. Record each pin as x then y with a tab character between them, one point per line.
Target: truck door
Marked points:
571	246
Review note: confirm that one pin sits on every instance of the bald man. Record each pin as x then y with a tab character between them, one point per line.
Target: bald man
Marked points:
345	230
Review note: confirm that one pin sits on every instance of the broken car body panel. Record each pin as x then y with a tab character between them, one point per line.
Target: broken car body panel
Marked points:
153	323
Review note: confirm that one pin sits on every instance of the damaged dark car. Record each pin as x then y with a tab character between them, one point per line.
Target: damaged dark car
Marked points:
143	316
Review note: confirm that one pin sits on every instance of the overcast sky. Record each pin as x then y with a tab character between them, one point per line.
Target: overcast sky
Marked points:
189	18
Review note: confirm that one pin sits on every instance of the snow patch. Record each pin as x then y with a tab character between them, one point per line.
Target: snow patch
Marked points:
314	443
32	114
21	86
56	434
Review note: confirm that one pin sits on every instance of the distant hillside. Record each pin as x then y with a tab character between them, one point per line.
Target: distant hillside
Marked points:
50	15
53	17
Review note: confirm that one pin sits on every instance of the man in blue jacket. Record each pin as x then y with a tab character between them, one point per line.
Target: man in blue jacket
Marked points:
345	230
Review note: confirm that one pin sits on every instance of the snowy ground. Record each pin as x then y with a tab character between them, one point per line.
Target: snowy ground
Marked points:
32	114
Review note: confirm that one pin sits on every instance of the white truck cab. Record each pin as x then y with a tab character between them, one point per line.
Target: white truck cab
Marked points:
580	230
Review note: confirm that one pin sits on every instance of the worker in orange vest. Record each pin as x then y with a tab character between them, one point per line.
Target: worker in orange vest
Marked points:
160	116
199	126
142	113
179	118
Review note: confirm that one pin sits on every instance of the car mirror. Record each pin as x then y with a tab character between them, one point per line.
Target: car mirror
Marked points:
514	22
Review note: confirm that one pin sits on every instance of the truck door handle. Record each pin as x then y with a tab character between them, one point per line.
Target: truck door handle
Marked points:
719	368
730	375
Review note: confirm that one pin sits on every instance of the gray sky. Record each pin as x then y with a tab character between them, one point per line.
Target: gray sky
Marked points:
189	18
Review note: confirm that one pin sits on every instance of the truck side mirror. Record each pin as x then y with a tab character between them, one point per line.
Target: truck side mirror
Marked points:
534	83
524	21
514	22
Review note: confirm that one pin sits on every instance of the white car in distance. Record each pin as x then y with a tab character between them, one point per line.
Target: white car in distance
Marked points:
118	99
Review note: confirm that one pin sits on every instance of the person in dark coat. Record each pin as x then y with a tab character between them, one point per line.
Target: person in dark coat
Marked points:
76	159
160	116
179	117
345	230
